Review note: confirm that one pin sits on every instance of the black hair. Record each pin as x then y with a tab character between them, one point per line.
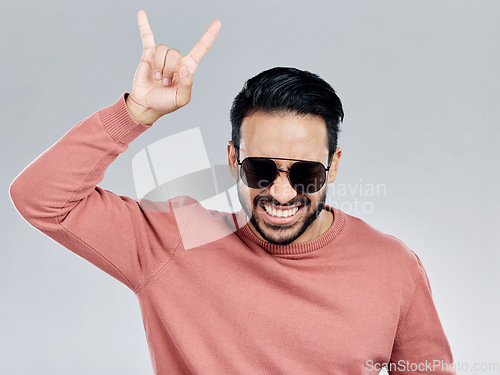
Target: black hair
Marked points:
288	90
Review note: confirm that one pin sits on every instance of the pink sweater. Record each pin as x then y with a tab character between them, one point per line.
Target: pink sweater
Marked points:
344	303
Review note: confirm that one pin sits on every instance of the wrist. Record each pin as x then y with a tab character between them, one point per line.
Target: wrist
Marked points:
140	114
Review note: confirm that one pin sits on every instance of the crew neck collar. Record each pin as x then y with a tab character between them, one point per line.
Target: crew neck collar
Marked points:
294	248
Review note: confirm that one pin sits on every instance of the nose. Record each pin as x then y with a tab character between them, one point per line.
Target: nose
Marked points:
281	190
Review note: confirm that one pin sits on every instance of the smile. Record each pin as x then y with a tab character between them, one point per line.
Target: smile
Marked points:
280	213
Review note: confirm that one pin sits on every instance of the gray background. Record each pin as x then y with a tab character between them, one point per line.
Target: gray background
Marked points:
419	82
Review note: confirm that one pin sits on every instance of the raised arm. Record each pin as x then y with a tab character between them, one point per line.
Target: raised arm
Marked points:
57	193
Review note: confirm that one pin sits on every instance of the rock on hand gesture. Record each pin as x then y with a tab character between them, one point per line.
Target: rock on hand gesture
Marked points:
163	80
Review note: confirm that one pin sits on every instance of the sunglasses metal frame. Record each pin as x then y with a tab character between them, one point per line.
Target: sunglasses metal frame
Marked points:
326	169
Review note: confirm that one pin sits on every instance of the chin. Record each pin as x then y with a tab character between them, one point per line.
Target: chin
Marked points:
278	234
281	234
286	233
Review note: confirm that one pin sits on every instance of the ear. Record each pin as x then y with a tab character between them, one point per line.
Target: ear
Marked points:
231	159
334	167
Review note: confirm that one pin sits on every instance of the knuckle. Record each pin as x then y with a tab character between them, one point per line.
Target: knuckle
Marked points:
174	56
174	51
146	62
204	45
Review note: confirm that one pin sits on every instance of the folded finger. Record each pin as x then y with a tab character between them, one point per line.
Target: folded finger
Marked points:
172	62
160	55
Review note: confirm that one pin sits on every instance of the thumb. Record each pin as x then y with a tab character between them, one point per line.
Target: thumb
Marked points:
185	85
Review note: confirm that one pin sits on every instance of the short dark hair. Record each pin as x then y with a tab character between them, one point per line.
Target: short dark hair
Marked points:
288	90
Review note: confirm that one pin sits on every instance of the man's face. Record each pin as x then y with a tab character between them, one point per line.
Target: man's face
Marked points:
287	136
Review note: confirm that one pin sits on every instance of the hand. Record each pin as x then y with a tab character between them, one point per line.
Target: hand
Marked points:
153	96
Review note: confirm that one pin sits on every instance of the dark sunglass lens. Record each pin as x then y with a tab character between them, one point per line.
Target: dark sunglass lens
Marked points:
258	173
307	177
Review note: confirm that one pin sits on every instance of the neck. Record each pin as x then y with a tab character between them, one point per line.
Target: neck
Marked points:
322	223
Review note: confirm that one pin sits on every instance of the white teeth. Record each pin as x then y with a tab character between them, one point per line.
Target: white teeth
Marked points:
281	213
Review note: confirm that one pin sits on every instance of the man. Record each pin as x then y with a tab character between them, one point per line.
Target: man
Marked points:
288	285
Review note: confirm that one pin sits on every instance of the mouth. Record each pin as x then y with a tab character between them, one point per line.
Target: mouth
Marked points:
280	214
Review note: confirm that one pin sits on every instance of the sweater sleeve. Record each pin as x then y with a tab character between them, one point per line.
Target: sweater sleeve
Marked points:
421	346
57	194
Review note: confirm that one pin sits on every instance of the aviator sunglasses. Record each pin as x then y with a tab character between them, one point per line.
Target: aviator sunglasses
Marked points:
305	176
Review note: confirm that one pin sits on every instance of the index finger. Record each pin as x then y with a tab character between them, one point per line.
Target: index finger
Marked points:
205	42
147	37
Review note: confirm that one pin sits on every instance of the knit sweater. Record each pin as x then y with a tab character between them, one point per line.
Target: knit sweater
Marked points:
215	298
